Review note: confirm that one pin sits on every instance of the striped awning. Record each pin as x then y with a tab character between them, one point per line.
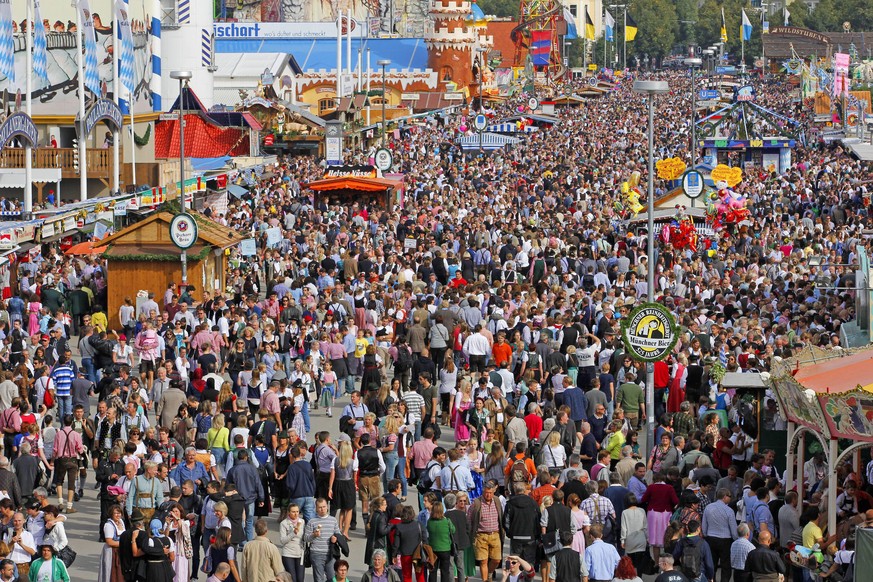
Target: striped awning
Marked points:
510	128
487	141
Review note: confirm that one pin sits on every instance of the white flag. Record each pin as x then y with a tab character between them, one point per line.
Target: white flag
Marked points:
787	14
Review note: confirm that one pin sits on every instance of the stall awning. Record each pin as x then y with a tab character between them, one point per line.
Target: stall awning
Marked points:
510	128
14	177
354	183
206	164
488	141
237	191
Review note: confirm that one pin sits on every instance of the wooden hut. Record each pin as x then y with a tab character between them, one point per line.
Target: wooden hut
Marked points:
142	257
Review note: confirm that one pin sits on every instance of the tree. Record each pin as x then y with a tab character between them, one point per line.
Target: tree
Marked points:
500	8
657	25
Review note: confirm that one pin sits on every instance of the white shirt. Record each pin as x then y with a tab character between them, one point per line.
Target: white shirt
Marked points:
18	555
476	345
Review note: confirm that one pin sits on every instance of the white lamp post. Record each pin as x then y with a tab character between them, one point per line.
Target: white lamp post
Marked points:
650	89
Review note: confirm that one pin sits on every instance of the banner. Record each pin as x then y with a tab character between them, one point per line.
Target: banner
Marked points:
540	47
125	57
7	47
40	47
92	77
841	73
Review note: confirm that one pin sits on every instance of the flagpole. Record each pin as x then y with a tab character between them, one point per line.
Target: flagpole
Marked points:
28	148
624	43
116	92
130	100
80	63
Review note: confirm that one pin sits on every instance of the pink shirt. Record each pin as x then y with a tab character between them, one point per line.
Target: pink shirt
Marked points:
422	453
270	401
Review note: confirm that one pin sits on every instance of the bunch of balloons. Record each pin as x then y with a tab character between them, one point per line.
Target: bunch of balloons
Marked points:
681	232
629	203
726	209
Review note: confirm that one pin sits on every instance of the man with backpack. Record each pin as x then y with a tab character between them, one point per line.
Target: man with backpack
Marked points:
520	468
693	555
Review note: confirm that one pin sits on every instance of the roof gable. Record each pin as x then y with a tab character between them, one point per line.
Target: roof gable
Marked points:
155	230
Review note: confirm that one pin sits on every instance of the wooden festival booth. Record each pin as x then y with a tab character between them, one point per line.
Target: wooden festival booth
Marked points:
826	395
365	185
142	257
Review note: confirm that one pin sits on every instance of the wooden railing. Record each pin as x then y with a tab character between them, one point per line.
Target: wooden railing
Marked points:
99	160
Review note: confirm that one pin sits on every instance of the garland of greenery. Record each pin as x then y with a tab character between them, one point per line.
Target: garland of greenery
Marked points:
144	140
156	258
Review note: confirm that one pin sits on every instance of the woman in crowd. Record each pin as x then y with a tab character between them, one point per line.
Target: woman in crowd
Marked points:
408	536
342	484
291	542
440	531
110	567
634	533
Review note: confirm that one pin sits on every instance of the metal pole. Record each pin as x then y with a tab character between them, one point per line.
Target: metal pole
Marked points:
339	58
384	98
116	91
693	123
650	280
83	151
28	147
184	204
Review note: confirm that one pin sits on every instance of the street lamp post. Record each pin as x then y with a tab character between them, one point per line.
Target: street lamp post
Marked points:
383	63
480	59
650	89
693	63
708	54
183	77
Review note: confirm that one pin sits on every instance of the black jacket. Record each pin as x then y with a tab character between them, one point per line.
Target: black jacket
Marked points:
521	518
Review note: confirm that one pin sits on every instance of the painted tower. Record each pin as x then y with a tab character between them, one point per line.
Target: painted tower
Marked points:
187	41
452	40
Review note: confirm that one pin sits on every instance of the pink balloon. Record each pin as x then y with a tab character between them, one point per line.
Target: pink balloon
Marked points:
665	233
521	107
463	128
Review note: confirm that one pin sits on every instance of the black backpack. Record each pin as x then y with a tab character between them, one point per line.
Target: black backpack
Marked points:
425	483
404	359
588	282
691	561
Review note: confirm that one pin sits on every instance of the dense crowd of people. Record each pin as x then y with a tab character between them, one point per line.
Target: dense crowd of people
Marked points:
487	416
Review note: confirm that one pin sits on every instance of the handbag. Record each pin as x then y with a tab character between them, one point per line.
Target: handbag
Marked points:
67	555
307	557
550	542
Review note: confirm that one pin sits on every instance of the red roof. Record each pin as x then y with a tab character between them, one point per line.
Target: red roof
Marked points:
202	139
354	183
839	374
503	44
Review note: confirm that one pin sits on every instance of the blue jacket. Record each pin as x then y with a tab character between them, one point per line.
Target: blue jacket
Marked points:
578	403
247	481
300	480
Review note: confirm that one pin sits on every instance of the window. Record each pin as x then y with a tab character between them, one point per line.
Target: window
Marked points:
325	105
446	73
573	9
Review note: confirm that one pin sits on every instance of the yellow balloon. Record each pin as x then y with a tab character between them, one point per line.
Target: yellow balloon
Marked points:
624	187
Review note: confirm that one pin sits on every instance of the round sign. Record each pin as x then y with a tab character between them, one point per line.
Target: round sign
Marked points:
533	104
649	333
480	123
183	231
692	183
384	159
592	81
